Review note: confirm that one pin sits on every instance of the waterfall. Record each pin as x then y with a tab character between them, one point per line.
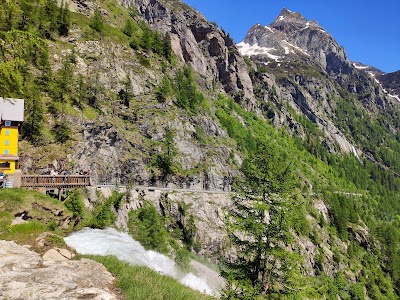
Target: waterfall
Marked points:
112	242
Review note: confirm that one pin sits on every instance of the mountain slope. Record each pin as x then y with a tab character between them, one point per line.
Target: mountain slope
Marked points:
149	92
311	73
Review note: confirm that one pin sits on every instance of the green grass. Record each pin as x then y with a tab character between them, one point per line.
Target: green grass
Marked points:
23	233
138	283
15	200
41	211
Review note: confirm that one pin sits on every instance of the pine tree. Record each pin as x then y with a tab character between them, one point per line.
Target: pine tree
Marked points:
257	226
97	21
34	112
164	160
129	28
64	19
125	94
167	47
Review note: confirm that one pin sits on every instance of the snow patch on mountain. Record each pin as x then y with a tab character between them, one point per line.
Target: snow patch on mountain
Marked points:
394	96
307	26
397	97
269	28
376	80
360	67
255	49
294	47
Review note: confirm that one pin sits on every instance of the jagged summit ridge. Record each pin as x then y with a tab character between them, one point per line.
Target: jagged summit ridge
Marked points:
287	15
293	37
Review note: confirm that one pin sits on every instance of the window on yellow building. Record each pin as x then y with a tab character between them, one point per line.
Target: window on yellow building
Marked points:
6	142
5	165
7	132
6	151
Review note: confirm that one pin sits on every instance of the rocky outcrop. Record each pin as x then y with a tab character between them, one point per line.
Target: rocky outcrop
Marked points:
25	275
291	36
201	44
207	210
391	82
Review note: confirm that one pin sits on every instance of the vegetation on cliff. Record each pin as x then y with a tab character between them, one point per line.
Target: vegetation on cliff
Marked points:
356	245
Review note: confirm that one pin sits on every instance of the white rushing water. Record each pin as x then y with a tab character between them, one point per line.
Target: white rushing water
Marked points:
111	242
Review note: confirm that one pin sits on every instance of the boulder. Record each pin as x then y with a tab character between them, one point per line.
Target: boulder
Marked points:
25	275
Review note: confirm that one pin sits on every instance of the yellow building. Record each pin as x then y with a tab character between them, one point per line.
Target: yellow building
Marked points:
11	118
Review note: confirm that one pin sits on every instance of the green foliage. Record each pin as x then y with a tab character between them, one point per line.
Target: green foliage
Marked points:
344	211
104	215
62	132
43	17
258	227
24	233
298	220
150	229
186	91
34	118
129	28
64	19
164	90
141	283
52	225
145	39
167	48
75	204
125	94
39	207
145	62
164	161
187	226
97	22
147	227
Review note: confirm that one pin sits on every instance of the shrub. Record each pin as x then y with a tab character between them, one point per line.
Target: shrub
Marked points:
129	28
75	205
104	215
97	23
147	227
62	132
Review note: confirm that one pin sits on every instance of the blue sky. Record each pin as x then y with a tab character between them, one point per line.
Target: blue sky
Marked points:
369	30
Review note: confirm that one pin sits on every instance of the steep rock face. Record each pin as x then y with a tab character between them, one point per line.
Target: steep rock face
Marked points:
209	50
120	143
291	35
207	209
310	71
391	82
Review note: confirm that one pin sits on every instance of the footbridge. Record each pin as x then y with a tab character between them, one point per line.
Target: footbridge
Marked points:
55	181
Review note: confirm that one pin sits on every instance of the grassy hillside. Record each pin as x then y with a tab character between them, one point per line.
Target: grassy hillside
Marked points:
142	283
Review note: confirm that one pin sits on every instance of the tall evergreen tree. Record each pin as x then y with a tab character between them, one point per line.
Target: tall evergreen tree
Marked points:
34	112
97	21
167	47
64	19
257	227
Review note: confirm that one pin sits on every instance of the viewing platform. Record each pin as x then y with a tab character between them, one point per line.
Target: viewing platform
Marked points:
55	181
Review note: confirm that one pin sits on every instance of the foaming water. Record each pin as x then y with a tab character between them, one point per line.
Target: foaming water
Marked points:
111	242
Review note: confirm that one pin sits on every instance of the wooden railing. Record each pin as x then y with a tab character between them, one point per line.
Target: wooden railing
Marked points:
55	181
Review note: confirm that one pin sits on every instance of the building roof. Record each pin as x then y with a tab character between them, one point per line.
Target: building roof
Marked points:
12	109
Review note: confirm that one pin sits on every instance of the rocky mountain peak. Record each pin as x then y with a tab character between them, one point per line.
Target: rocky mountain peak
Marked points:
291	37
287	15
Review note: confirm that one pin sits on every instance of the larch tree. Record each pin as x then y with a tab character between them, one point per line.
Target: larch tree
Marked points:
258	229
